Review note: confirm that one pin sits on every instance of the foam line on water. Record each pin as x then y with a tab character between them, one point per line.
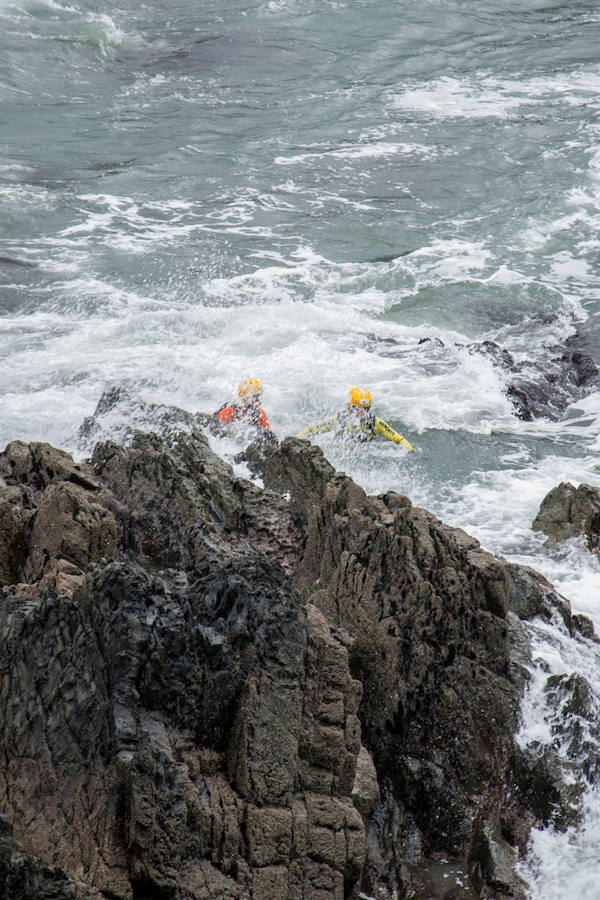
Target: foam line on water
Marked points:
499	97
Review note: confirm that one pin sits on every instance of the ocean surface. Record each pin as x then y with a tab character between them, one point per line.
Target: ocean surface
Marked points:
300	191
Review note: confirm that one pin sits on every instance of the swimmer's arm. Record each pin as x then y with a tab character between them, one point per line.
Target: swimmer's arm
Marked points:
386	431
326	425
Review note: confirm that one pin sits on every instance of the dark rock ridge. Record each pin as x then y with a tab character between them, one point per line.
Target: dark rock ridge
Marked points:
213	690
536	389
121	412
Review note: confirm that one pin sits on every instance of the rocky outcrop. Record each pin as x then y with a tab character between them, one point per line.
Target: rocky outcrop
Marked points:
568	512
121	413
544	389
438	648
181	724
55	519
209	689
536	389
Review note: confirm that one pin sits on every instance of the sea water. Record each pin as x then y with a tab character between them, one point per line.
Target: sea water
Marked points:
300	191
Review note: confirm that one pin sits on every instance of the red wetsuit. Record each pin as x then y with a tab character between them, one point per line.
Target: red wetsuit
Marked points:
252	415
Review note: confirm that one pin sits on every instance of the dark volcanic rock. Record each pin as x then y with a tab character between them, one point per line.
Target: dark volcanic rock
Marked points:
428	610
567	512
29	878
55	518
172	735
186	508
536	389
121	414
299	470
211	690
545	390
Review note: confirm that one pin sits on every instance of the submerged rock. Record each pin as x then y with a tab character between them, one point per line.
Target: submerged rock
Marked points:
536	389
546	390
209	689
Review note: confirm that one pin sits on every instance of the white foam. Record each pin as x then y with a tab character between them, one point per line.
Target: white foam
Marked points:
561	865
564	866
358	151
20	201
498	506
452	97
49	20
487	96
300	320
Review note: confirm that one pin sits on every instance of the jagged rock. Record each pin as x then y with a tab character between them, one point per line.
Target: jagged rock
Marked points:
258	452
183	741
29	878
186	508
428	612
585	626
161	747
536	389
545	390
300	471
37	465
550	789
13	524
417	596
55	517
530	595
68	527
121	412
295	692
567	512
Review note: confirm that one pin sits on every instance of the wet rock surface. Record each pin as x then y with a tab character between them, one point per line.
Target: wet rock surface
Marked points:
213	690
536	389
568	511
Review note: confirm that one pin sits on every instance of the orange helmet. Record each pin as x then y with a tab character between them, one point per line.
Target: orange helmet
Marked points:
249	389
359	397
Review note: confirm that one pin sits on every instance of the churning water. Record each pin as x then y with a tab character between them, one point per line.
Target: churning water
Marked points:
299	191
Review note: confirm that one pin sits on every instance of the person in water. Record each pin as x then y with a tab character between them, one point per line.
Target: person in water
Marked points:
248	408
358	421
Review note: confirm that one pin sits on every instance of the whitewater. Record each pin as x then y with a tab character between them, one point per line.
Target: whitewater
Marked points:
300	191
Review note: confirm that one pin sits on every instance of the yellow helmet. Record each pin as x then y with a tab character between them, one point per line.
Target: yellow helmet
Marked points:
249	389
358	397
